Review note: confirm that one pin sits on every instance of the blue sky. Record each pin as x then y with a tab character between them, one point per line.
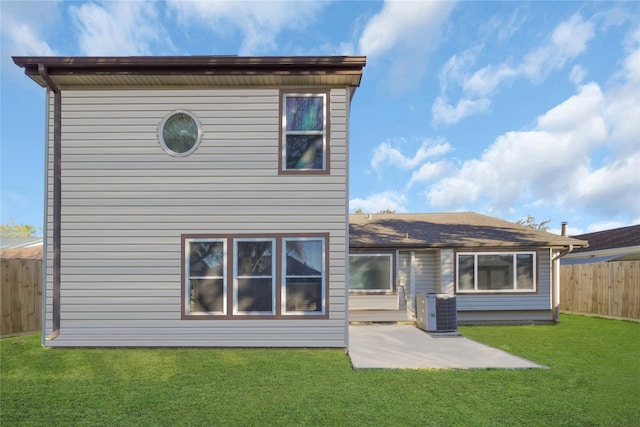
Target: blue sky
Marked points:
503	108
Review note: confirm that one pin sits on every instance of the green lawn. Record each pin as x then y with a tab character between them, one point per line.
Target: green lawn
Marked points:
594	379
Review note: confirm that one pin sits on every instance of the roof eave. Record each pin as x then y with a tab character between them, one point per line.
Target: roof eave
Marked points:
469	245
346	66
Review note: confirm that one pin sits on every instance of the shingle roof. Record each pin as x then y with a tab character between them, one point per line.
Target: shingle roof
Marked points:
610	239
459	229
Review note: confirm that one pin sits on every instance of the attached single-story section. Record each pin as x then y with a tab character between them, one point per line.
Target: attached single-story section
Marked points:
499	271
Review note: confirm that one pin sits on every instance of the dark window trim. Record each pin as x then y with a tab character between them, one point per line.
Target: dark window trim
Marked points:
394	290
279	275
489	251
281	134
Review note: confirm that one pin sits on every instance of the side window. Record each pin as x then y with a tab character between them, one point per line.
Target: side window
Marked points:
206	286
303	287
304	135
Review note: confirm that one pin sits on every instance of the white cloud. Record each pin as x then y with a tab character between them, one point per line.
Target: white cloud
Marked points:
386	154
552	163
577	74
259	22
568	40
612	189
571	37
576	112
622	109
487	79
387	200
406	31
403	23
23	25
602	226
429	172
130	28
26	42
445	113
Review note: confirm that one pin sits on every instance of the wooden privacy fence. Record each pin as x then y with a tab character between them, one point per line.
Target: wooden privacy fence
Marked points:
607	288
20	296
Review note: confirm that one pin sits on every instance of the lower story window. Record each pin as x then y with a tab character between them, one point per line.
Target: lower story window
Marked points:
303	284
243	276
371	273
496	272
205	276
254	281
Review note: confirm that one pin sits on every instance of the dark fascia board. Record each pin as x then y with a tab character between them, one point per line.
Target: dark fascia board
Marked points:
190	65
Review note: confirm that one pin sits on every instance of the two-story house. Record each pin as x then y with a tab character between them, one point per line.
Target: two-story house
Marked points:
196	201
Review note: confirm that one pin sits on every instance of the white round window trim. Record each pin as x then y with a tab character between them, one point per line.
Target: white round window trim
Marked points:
179	133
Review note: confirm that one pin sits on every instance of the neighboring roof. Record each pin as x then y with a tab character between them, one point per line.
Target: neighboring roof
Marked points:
206	71
609	239
618	244
32	252
460	229
297	268
19	242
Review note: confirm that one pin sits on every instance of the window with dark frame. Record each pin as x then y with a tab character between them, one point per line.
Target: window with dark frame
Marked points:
254	281
279	277
304	140
303	283
205	276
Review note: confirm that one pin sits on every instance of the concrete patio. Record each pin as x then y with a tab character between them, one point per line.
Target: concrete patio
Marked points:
403	346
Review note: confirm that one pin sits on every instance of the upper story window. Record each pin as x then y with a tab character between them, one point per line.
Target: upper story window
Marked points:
496	272
179	133
304	136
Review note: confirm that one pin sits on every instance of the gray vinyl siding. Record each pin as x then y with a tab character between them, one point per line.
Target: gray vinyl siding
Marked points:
447	271
373	302
419	270
426	272
125	204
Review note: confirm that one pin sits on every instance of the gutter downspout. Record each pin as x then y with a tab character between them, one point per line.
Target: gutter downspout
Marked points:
555	260
57	198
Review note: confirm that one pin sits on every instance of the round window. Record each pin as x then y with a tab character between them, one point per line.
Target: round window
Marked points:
180	133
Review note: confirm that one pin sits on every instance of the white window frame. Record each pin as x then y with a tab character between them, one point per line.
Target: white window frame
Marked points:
285	276
371	290
188	276
163	143
514	289
274	249
285	132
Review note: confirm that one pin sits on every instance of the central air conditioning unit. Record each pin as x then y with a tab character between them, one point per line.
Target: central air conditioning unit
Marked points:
437	312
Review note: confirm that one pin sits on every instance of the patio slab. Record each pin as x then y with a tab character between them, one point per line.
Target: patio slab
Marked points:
403	346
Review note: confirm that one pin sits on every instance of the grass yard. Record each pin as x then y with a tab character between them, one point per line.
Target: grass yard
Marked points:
594	379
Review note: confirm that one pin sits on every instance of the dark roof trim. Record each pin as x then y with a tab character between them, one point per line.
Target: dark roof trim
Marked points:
192	65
